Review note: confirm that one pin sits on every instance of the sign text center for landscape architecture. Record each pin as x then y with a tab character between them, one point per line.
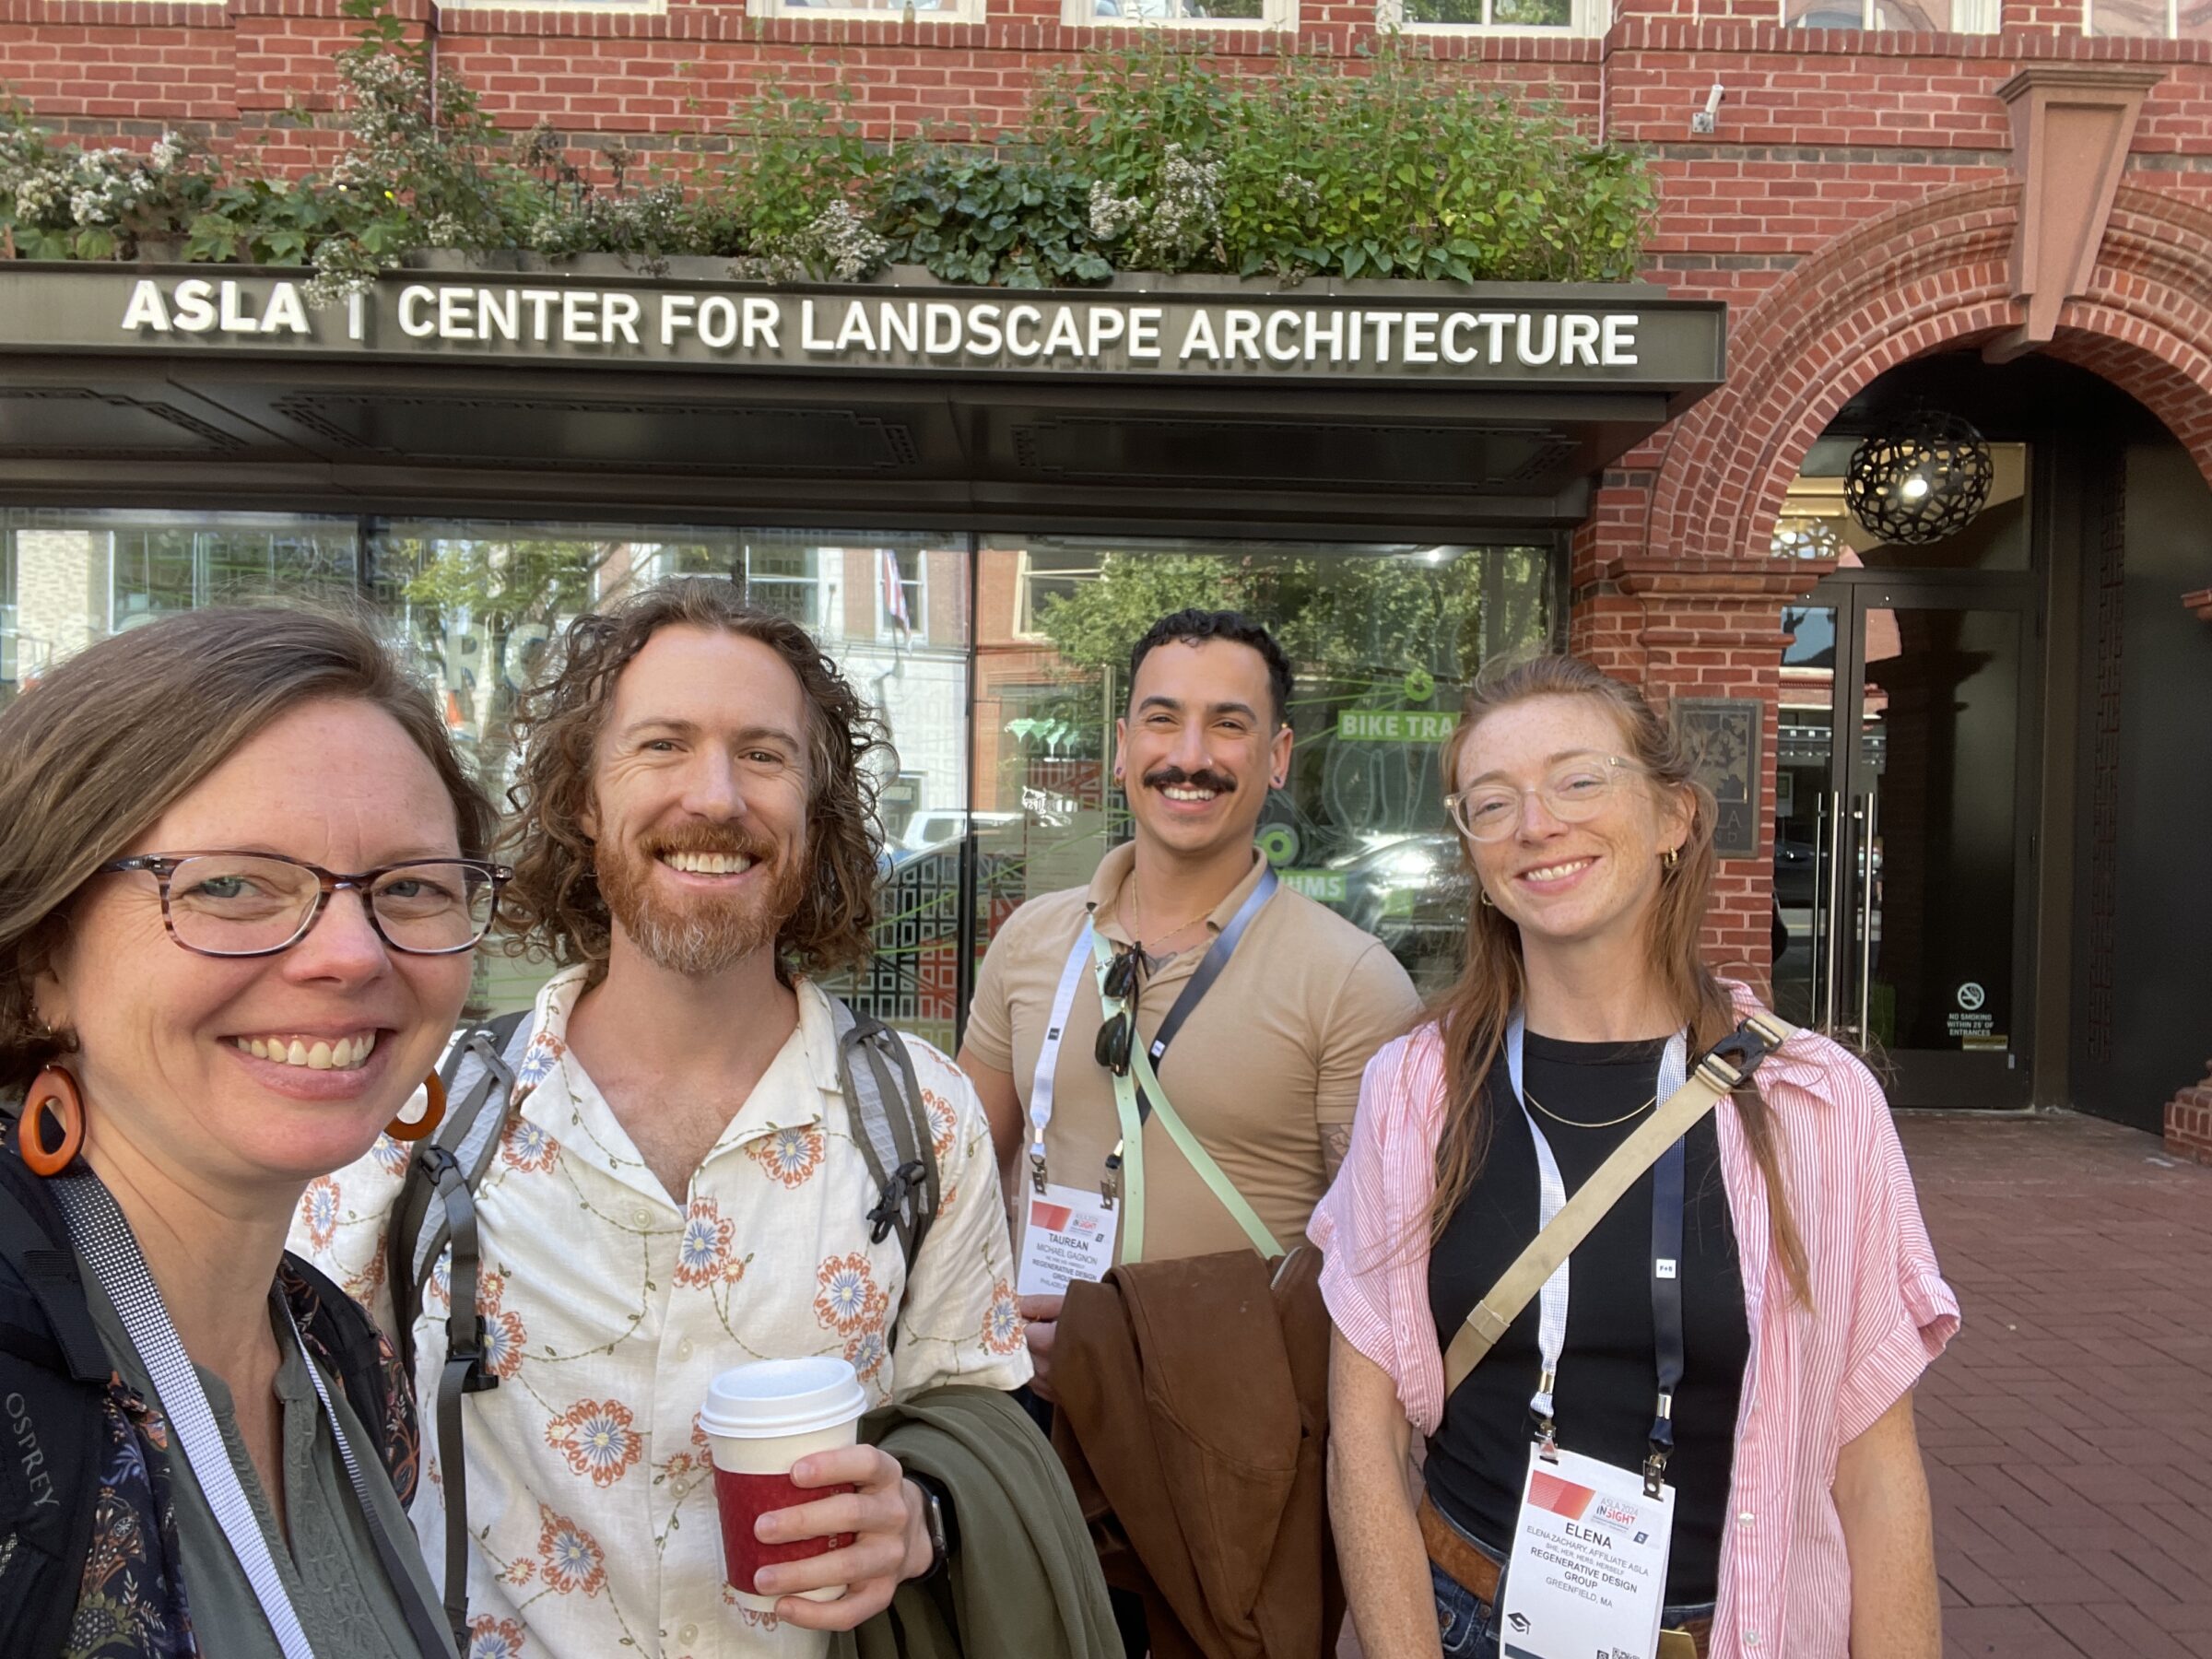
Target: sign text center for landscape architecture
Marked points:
1489	334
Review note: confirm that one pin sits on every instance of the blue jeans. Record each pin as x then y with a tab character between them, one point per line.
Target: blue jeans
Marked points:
1469	1626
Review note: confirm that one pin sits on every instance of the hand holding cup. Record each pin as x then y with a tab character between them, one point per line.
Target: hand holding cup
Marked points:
872	1515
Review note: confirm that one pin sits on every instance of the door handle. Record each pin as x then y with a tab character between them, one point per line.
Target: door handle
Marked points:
1831	941
1866	873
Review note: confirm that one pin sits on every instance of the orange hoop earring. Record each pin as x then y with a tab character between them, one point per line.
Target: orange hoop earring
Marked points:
399	1129
54	1091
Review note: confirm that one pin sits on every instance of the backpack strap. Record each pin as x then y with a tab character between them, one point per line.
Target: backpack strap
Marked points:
478	1074
53	1375
890	1125
34	1240
437	1206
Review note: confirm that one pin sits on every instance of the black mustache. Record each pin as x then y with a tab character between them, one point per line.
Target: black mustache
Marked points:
1174	777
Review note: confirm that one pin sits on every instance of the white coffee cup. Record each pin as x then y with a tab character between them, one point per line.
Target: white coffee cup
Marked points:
758	1420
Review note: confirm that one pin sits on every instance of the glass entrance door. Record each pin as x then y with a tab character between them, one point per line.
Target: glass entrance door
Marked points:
1902	848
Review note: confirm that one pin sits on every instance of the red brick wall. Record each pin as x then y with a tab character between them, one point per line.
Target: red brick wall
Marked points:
1855	207
2189	1123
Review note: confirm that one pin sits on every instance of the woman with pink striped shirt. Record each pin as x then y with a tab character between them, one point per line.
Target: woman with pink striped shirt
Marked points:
1778	1365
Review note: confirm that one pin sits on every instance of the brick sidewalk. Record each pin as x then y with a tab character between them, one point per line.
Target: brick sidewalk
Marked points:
2068	1428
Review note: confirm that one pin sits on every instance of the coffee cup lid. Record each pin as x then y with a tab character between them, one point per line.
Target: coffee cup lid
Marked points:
771	1398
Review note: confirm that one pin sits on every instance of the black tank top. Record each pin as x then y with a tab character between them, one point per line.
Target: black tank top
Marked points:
1478	1457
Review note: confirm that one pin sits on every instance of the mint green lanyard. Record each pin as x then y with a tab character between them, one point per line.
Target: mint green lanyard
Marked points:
1140	1075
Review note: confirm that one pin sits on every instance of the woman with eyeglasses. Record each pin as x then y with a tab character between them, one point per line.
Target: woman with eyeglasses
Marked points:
242	876
1696	1435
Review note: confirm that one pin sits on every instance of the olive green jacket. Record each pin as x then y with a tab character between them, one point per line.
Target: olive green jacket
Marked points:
1024	1582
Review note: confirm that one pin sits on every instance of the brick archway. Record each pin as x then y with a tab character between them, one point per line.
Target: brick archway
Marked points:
1932	275
1675	587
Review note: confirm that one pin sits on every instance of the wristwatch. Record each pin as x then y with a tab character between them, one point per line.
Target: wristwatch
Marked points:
937	1521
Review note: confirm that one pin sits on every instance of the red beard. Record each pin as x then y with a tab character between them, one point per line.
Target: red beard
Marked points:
699	935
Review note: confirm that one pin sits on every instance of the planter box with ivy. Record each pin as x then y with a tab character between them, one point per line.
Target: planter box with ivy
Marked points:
1148	160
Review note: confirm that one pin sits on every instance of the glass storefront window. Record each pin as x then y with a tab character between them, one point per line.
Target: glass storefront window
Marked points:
70	577
1000	701
476	602
159	568
10	657
1384	640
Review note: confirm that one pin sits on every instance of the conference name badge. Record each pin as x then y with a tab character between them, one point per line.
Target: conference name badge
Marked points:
1588	1571
1069	1236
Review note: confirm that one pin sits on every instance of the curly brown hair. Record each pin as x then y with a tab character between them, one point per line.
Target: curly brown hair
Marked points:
112	737
554	907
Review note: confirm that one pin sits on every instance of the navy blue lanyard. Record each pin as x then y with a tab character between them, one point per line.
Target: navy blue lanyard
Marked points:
1209	969
1667	1307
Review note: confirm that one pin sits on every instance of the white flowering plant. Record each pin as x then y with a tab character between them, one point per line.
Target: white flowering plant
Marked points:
1151	158
422	168
561	208
67	201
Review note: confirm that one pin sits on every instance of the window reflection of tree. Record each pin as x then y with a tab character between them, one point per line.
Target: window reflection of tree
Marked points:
1400	627
2137	20
1934	17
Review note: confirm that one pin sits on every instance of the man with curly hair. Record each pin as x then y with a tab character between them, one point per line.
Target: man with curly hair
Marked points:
678	1189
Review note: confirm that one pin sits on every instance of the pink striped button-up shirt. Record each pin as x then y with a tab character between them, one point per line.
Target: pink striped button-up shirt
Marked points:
1818	1376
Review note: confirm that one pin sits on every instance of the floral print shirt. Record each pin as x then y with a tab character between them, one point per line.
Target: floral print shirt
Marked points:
610	1308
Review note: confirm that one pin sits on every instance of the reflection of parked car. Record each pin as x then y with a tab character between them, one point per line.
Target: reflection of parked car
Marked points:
942	829
1793	870
927	829
1400	886
1798	871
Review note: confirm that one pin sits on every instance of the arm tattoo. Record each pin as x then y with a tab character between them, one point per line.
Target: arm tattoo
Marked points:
1335	1143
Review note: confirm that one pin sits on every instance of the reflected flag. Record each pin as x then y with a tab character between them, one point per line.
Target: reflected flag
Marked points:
894	592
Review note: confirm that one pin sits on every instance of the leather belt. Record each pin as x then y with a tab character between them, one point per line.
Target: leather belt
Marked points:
1466	1566
1477	1575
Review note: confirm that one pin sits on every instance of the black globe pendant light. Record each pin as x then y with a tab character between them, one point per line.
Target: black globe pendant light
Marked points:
1926	480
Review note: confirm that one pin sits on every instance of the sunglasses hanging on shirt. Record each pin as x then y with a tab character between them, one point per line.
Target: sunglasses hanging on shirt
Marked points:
1117	1035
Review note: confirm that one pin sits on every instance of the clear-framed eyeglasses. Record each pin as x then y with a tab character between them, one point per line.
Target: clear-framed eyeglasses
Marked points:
1573	791
253	904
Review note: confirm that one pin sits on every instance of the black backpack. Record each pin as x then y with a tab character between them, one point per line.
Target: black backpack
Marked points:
436	1207
53	1384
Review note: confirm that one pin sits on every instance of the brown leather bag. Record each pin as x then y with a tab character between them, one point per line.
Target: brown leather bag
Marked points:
1193	1419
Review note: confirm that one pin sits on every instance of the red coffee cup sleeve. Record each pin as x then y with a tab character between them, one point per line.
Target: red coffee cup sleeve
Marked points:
743	1500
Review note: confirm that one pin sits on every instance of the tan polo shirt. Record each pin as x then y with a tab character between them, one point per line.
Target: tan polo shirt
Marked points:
1271	1055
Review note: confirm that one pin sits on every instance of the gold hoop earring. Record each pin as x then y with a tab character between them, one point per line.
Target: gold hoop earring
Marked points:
1488	903
1671	857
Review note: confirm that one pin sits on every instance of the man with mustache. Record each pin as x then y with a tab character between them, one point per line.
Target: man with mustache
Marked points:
678	1189
1263	1067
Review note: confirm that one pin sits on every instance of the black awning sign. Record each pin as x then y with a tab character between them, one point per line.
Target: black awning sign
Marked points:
1584	338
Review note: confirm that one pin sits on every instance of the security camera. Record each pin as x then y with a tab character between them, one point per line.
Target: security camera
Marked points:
1707	120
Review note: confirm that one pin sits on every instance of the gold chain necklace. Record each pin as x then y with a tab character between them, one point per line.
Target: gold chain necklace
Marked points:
1172	933
1577	1123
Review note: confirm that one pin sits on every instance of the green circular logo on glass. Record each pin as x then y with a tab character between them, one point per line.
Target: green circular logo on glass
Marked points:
1279	844
1420	686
